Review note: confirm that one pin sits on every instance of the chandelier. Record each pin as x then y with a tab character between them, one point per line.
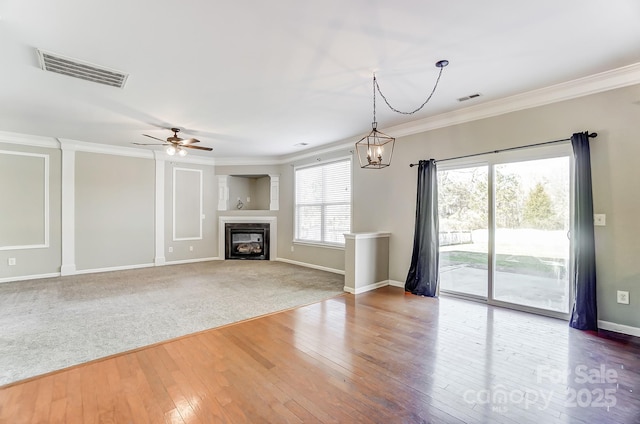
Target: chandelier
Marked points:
375	149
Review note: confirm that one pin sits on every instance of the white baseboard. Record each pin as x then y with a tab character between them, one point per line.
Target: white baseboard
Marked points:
67	270
395	283
29	277
191	261
321	268
70	270
374	286
113	268
619	328
366	288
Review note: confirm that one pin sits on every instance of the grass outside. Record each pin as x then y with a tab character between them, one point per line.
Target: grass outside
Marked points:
520	264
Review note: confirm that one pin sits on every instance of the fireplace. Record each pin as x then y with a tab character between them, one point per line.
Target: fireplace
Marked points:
246	241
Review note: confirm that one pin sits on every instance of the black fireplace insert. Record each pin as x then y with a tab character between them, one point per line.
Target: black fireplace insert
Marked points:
246	241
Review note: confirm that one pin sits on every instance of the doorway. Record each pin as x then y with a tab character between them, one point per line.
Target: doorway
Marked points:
504	230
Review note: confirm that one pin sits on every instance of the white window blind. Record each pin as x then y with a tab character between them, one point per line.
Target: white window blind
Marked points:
323	202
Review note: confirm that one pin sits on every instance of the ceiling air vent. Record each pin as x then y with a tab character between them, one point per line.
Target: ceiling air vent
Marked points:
74	68
469	97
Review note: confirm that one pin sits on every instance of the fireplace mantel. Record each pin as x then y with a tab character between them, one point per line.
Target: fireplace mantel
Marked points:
271	220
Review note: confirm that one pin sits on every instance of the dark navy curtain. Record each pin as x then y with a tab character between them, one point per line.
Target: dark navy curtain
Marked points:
423	275
584	314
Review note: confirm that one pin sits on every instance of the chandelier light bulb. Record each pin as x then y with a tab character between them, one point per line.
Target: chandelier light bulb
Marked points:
182	152
171	150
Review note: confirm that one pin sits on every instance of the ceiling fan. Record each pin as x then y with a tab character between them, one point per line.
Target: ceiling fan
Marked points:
175	144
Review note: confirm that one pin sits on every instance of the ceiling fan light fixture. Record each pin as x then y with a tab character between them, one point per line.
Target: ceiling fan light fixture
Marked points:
175	144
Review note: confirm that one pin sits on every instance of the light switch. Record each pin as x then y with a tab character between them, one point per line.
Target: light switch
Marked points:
599	219
623	297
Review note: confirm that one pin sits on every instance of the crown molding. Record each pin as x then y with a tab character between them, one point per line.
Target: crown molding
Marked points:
238	161
28	140
194	160
593	84
332	148
106	149
283	160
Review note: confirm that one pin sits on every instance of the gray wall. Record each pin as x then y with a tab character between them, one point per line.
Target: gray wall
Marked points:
114	210
188	197
13	181
24	205
614	115
366	262
239	190
260	193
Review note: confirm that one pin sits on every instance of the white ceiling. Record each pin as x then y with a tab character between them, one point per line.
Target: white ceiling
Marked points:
254	78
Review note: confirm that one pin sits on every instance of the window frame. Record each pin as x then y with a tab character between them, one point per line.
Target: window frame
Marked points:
322	243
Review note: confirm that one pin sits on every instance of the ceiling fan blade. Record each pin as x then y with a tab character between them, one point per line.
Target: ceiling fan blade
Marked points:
150	144
155	138
189	141
197	147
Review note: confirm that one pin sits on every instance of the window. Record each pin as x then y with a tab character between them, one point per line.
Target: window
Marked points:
323	202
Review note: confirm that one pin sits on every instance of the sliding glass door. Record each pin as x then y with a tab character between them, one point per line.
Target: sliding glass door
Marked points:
464	230
532	233
504	231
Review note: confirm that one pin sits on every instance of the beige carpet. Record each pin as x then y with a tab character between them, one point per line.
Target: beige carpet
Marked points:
54	323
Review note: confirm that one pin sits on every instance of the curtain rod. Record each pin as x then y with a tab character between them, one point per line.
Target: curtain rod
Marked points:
592	135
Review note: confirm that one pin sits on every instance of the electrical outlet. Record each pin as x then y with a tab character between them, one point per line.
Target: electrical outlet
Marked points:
11	261
292	248
170	249
623	297
190	248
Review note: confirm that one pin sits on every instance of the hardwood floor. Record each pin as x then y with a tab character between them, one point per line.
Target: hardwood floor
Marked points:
379	357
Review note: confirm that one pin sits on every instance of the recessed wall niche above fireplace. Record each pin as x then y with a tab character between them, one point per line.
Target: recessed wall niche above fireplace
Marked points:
248	192
247	241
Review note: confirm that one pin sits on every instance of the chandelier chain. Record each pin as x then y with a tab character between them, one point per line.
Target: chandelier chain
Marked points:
374	101
377	86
